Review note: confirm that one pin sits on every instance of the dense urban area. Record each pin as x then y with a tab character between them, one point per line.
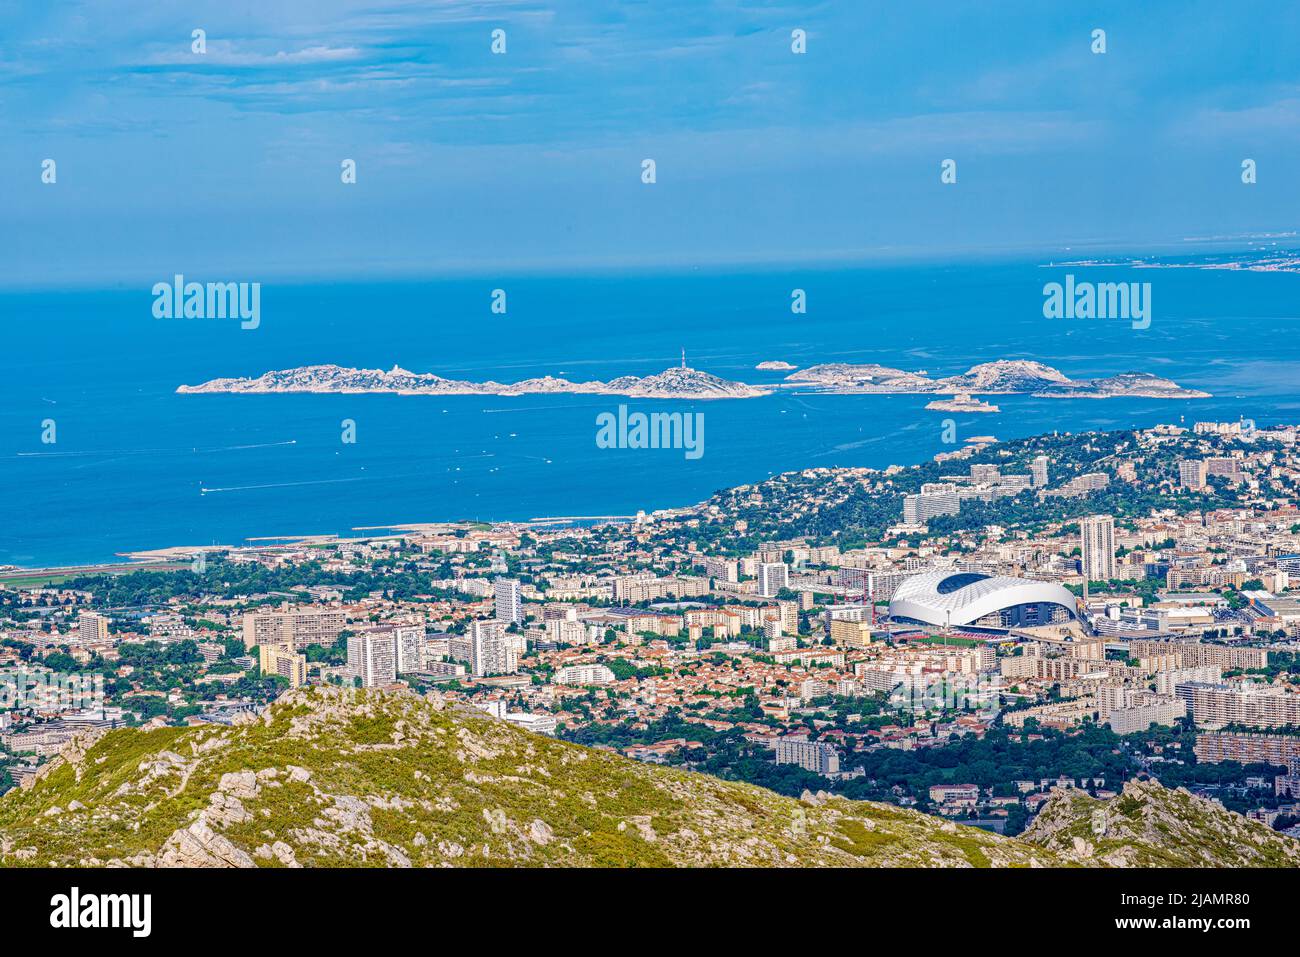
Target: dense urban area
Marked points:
963	637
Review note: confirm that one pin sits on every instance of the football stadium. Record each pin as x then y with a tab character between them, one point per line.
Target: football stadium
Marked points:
986	602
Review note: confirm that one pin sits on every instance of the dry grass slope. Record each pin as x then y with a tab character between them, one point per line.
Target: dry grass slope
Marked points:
354	778
335	777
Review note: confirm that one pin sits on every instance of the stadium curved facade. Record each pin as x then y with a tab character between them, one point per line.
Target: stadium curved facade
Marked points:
972	600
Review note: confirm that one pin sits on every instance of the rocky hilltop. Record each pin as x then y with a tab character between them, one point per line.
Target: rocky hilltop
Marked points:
1149	825
1002	377
681	383
674	383
1007	376
332	776
1135	384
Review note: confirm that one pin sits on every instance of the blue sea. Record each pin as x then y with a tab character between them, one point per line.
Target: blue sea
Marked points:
132	457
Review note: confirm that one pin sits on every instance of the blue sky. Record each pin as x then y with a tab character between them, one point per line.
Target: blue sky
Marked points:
228	163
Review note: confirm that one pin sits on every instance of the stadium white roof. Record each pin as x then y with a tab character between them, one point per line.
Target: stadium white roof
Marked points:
960	598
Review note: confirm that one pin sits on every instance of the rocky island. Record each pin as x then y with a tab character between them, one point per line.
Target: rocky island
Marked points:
1003	377
673	383
961	402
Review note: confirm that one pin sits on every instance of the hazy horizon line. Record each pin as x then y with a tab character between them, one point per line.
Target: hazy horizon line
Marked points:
329	273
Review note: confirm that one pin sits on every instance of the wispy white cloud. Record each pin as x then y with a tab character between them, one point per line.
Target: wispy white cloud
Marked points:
759	149
228	53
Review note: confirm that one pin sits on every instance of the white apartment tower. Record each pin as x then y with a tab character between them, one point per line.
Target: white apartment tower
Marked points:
509	604
372	657
772	577
92	626
1098	547
935	498
1192	474
410	645
1038	471
490	650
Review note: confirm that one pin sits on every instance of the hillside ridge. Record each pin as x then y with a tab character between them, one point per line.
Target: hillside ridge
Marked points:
344	777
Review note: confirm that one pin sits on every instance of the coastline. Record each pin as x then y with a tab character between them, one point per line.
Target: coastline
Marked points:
173	557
